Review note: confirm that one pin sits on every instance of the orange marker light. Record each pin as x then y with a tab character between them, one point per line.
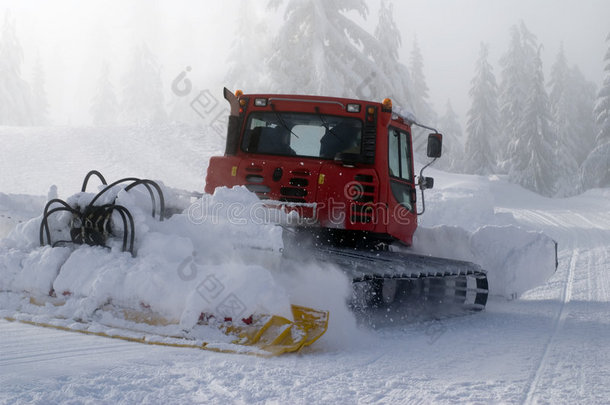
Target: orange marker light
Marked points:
387	104
239	93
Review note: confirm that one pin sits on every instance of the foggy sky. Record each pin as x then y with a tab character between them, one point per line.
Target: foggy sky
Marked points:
73	37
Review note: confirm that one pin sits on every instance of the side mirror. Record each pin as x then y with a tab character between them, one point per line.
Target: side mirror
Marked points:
435	145
426	183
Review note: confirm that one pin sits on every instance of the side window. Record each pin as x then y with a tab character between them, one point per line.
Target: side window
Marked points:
399	154
394	155
405	156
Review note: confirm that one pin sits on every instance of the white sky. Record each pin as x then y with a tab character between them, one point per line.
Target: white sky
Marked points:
72	36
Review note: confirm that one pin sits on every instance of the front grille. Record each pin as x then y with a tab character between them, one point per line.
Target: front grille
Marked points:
296	191
254	178
293	192
298	182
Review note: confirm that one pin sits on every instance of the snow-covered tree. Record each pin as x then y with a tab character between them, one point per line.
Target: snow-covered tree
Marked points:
419	96
393	78
453	149
595	170
602	107
532	155
482	127
517	66
15	95
583	93
246	63
104	106
143	101
562	109
319	50
40	105
571	100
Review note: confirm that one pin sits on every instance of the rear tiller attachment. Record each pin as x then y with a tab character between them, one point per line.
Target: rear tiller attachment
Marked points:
92	224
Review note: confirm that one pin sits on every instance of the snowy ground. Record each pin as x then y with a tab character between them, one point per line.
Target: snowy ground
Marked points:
548	346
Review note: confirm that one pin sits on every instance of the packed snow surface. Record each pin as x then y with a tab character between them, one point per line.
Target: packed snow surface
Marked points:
542	338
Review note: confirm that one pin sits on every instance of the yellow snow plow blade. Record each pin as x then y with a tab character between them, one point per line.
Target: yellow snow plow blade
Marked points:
266	335
279	335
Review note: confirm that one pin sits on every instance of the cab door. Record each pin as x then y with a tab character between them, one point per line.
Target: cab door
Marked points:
401	199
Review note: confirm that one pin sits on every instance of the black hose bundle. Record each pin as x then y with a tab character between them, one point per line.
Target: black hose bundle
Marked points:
92	225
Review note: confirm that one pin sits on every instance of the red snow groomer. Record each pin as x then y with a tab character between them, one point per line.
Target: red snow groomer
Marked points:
346	167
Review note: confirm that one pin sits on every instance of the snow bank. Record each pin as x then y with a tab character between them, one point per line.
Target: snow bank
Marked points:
203	260
15	209
516	260
462	221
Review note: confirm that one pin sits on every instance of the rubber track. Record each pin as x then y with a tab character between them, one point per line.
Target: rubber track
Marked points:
366	266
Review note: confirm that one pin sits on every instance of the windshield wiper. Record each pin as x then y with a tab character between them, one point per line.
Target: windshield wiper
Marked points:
279	118
325	124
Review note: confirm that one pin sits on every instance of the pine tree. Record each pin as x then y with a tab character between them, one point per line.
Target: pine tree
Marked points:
419	96
602	107
453	150
482	127
583	94
562	109
517	67
319	50
104	105
246	63
532	162
571	105
143	101
15	95
40	105
393	78
595	170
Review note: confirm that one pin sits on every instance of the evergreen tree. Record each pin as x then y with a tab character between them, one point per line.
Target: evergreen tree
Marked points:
40	105
15	95
517	64
602	107
142	102
562	109
583	93
393	78
319	50
482	127
532	162
595	170
246	68
571	106
453	150
104	105
419	96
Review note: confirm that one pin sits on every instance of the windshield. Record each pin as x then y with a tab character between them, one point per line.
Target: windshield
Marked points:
298	134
